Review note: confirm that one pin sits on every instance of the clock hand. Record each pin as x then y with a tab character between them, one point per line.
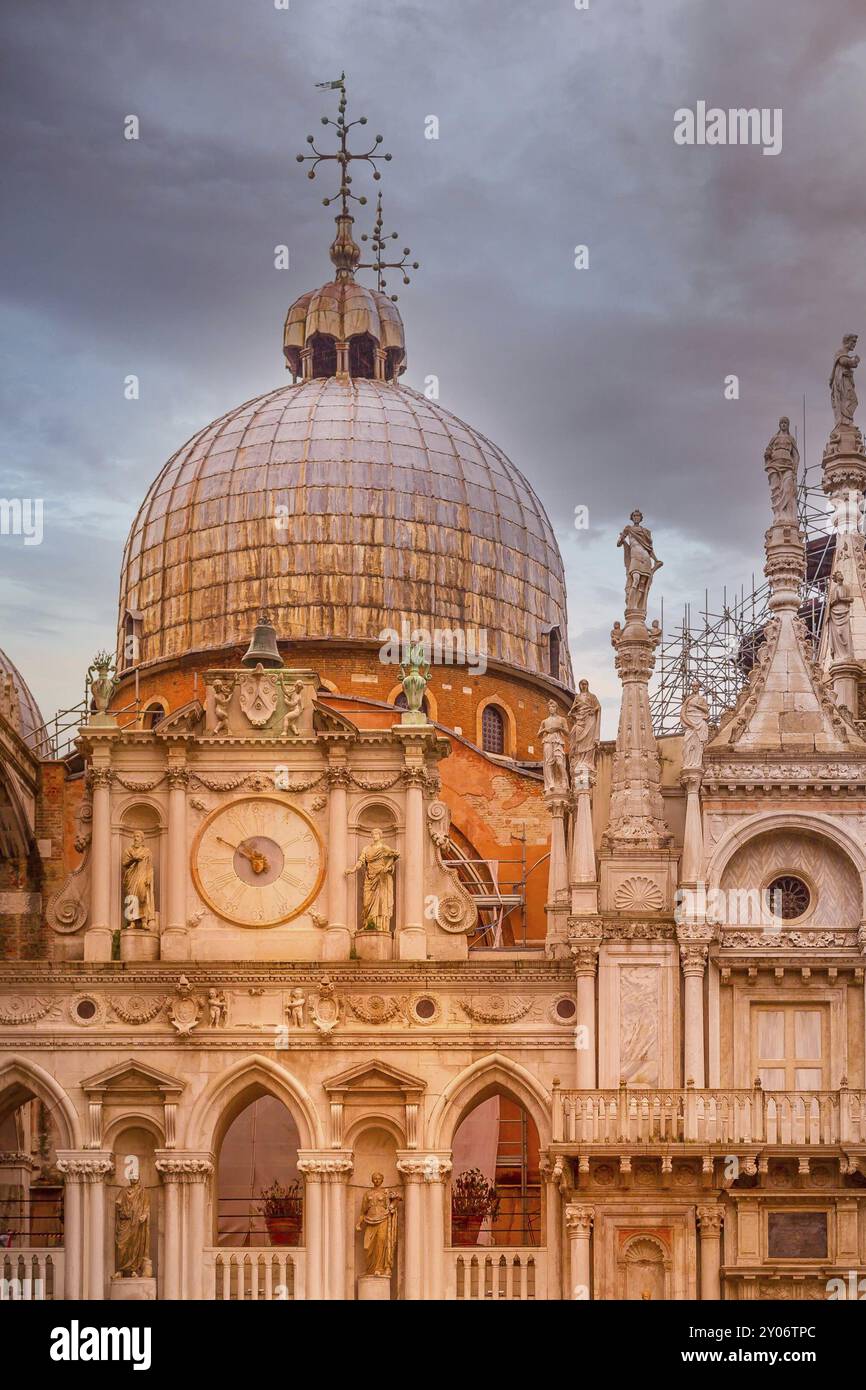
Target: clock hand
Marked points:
259	861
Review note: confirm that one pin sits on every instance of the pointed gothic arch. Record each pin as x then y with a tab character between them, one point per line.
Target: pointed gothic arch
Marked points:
22	1080
233	1089
496	1074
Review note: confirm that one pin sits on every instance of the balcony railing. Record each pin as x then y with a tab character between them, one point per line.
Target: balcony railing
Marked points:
730	1117
508	1272
243	1275
28	1273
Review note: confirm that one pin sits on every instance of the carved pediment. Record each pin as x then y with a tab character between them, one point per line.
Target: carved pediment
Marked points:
375	1078
133	1078
329	721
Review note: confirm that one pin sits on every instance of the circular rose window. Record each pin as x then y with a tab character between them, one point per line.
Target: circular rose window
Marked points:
788	897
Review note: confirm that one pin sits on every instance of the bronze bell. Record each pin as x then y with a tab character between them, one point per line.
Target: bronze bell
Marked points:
263	647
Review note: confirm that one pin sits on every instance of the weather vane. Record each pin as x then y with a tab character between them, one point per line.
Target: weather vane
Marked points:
378	243
343	156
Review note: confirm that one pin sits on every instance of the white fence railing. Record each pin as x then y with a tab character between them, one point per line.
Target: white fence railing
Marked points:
31	1274
496	1271
751	1116
241	1275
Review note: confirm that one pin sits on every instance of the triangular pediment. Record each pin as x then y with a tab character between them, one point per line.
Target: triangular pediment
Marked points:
787	706
131	1075
375	1076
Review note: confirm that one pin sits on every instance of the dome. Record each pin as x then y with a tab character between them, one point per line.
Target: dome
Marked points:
26	716
343	311
345	505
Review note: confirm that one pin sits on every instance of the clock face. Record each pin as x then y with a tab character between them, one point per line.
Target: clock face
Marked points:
258	861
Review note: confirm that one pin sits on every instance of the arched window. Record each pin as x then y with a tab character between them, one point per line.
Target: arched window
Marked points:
259	1191
554	641
496	1183
400	702
151	715
362	356
324	361
493	729
131	639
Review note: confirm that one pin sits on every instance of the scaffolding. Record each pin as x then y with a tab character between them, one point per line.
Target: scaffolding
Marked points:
717	646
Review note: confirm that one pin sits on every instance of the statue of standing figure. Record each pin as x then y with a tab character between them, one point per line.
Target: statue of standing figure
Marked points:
843	396
839	602
132	1231
378	1220
138	900
553	734
585	726
378	861
695	719
782	464
641	563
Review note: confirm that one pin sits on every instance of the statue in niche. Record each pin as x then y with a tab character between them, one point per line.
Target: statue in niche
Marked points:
132	1231
782	462
217	1008
378	861
843	396
584	729
839	602
553	734
695	719
641	563
138	899
378	1220
293	708
222	694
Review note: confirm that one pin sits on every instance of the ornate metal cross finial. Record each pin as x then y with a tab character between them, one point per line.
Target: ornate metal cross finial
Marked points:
343	155
378	242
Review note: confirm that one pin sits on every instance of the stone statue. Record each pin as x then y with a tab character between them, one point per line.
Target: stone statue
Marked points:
132	1232
378	1221
843	395
839	602
553	734
378	861
415	679
695	719
782	462
294	707
217	1008
585	726
295	1008
138	900
641	564
103	684
222	694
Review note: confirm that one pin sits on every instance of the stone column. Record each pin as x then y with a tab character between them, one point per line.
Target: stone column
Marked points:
174	943
196	1174
693	838
314	1170
172	1171
710	1220
694	959
552	1171
338	941
557	873
583	875
94	1170
578	1223
437	1169
585	967
412	938
411	1167
71	1165
336	1179
97	938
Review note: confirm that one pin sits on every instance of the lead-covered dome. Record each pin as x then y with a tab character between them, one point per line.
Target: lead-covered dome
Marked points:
345	505
19	706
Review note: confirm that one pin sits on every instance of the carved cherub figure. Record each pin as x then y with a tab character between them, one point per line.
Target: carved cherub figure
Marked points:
222	694
294	708
295	1008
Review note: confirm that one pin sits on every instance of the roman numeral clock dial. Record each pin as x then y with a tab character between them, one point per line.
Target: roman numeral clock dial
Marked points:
258	861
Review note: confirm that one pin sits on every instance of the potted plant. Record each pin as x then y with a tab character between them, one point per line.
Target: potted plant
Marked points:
282	1209
472	1199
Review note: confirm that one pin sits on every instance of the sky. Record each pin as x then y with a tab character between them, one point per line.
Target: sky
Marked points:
605	385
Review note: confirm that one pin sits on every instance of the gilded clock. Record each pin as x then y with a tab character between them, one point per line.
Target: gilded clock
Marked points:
258	861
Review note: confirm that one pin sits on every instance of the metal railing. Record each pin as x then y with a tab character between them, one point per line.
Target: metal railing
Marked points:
730	1117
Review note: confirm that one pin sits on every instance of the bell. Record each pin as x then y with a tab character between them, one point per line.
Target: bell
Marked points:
263	647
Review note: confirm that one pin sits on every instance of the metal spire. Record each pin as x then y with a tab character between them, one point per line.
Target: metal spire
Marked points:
378	242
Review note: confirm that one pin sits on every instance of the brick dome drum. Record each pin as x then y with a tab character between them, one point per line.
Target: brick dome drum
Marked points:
344	506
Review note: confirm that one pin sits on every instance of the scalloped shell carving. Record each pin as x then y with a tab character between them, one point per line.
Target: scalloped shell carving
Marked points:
638	894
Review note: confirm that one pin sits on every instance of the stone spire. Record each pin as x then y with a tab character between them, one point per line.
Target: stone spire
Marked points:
636	810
